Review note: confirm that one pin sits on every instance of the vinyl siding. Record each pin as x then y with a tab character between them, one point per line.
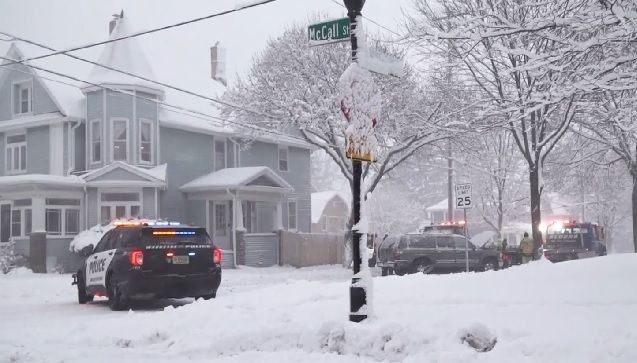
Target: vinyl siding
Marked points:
189	156
38	156
148	198
80	148
121	106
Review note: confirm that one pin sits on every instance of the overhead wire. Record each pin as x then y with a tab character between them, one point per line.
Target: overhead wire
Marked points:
163	84
154	30
173	107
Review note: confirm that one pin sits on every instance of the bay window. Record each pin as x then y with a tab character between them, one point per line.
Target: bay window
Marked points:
96	141
145	141
119	134
62	216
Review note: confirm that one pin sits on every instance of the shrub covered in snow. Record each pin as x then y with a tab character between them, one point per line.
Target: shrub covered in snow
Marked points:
89	237
7	257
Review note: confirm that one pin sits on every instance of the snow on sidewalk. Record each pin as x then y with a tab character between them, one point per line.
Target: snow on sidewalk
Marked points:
581	311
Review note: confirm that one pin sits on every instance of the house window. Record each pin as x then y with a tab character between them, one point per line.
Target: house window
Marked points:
220	155
145	141
16	151
96	141
21	218
62	216
283	158
292	215
118	205
22	97
119	129
16	223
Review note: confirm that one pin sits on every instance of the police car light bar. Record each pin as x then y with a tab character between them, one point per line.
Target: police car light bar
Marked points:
174	233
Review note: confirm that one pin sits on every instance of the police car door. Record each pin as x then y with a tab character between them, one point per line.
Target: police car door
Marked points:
97	263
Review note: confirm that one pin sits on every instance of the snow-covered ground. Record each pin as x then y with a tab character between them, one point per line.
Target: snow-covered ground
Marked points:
582	311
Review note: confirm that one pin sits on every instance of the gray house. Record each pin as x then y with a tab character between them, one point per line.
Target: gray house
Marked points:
75	157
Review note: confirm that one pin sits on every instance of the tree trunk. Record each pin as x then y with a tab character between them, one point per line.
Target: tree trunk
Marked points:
635	212
536	212
500	211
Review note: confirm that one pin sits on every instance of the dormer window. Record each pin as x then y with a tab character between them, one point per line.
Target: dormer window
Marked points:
23	97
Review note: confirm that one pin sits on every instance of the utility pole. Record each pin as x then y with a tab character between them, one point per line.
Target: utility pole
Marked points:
450	200
357	294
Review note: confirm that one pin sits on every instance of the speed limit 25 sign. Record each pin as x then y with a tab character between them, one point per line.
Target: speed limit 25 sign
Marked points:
463	196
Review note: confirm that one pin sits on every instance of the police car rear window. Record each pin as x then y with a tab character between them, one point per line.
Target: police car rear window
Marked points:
170	236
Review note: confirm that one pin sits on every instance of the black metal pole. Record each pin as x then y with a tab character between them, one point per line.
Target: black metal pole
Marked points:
357	294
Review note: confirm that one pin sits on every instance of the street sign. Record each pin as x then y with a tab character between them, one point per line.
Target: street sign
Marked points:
463	196
327	32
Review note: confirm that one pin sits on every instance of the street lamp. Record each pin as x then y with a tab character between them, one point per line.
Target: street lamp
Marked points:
357	294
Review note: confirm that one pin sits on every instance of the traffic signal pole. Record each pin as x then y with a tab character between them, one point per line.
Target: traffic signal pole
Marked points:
357	294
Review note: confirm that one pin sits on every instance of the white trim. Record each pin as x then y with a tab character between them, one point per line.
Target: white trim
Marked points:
112	141
91	160
14	146
56	149
126	204
63	209
13	97
134	127
287	157
296	214
143	121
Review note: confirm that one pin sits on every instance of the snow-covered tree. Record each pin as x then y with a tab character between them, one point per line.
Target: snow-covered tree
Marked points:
297	86
499	48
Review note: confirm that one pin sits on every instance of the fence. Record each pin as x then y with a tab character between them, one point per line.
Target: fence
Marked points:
311	249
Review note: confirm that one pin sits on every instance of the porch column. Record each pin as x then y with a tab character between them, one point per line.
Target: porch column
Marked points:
38	214
239	215
278	221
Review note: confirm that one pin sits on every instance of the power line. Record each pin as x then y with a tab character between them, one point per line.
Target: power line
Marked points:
131	75
203	114
370	20
91	45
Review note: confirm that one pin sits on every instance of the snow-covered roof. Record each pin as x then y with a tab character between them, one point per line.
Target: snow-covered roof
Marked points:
237	178
440	206
320	201
41	179
155	176
125	55
67	97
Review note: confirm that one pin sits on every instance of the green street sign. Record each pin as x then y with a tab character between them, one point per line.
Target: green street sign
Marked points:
327	32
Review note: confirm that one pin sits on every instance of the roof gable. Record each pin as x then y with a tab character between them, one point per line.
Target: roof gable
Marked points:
66	98
257	177
122	174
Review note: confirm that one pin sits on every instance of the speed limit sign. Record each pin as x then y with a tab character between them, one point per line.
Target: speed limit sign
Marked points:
463	196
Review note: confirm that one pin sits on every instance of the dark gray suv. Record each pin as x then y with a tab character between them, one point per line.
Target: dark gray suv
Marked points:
411	253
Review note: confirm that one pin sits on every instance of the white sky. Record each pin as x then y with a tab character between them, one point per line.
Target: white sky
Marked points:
179	56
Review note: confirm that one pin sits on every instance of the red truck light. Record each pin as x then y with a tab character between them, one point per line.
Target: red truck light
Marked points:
136	257
216	255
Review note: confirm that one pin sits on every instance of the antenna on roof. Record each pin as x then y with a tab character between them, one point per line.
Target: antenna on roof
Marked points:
113	22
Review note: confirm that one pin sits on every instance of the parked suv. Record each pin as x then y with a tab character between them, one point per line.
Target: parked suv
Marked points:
149	261
412	253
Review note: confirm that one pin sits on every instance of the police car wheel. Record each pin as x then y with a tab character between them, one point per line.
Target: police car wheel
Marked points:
115	299
82	296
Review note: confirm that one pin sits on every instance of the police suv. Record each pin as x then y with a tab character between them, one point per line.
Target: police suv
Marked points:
140	260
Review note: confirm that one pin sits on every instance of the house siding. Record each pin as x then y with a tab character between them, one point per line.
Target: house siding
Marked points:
189	156
38	156
298	175
42	102
148	199
3	160
91	205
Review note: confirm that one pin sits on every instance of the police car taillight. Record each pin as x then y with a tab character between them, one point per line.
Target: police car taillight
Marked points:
216	255
136	257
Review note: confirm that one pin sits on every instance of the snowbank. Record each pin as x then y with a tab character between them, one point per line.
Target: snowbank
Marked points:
89	237
579	311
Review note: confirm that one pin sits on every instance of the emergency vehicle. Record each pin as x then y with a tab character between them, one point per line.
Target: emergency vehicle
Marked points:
572	240
445	227
141	260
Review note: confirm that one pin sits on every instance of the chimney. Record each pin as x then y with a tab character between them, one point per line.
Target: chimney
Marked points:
113	23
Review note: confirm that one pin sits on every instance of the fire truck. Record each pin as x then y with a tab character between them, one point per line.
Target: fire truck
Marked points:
571	240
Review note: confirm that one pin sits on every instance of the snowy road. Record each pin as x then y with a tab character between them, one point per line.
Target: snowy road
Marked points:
584	311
